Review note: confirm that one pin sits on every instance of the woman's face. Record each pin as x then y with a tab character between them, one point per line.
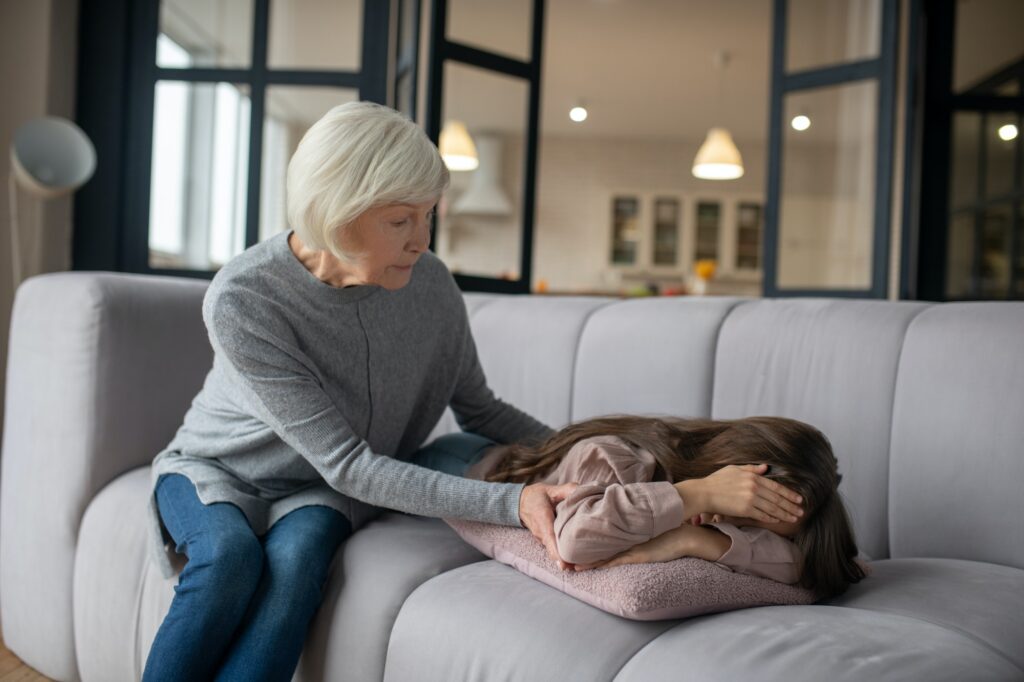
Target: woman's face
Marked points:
386	241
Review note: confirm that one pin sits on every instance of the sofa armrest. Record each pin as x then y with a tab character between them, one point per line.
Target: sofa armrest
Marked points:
101	370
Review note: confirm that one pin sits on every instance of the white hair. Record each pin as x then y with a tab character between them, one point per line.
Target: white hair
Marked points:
358	156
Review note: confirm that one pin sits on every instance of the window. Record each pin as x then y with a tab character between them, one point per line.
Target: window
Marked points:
216	97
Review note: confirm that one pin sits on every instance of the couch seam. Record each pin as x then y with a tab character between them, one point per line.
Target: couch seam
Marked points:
576	353
892	429
714	361
646	644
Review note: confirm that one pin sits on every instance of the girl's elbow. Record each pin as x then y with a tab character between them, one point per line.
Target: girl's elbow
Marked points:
576	550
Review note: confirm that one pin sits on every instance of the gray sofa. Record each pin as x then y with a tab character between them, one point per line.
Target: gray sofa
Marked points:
923	403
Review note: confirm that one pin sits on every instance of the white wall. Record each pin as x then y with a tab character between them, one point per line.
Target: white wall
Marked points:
38	58
822	244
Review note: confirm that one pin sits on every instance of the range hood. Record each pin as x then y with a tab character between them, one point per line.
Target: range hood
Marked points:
484	195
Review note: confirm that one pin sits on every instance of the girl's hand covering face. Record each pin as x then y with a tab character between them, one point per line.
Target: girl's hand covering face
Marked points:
741	491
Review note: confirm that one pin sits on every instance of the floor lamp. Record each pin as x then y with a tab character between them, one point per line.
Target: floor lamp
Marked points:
50	157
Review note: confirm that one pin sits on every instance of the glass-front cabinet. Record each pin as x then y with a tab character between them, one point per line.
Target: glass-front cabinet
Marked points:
672	242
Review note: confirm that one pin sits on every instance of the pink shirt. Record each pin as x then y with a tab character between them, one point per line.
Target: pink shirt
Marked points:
624	500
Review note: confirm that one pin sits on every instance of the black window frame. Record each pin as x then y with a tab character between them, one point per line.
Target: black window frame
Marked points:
117	78
442	49
936	30
881	69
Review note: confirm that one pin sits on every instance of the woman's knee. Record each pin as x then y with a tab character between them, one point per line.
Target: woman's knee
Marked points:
300	548
226	565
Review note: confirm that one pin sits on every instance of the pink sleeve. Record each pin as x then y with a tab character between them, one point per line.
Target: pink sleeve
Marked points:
760	552
617	504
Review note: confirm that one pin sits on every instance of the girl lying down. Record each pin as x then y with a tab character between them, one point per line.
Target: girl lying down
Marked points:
757	495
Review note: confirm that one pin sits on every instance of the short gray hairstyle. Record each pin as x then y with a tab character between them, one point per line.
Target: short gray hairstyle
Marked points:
357	156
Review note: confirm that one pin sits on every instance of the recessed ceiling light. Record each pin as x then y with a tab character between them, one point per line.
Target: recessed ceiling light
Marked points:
1008	132
800	122
578	114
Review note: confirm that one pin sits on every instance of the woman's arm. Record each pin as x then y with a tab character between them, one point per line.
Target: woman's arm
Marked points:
276	378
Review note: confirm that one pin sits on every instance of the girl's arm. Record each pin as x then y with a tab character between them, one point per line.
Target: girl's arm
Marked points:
616	506
754	551
685	541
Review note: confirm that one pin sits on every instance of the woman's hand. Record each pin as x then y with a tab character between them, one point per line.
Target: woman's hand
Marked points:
741	491
537	512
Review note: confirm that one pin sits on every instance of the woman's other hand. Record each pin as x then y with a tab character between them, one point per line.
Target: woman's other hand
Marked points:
741	491
537	512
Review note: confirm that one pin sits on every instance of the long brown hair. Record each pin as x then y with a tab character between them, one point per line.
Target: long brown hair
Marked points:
800	457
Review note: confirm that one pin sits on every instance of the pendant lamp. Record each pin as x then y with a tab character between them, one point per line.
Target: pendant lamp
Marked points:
718	158
457	148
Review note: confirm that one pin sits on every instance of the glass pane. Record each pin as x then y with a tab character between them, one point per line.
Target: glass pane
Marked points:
988	38
311	34
625	230
960	255
995	250
206	33
503	27
289	113
666	230
709	216
829	32
199	174
827	199
963	179
750	223
1000	153
480	218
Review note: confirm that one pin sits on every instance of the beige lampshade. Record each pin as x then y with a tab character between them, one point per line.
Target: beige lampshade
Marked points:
718	158
457	148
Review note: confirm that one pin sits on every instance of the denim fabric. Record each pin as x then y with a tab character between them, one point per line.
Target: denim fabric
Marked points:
453	453
243	603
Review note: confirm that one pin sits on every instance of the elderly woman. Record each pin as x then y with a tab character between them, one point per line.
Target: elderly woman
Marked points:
337	347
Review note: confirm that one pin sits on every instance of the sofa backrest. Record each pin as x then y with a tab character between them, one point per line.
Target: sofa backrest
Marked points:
867	373
956	487
830	363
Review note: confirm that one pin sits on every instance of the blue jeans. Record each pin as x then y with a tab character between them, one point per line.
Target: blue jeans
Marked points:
454	453
243	604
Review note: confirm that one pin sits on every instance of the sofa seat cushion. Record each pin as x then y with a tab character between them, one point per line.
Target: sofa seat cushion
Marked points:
488	621
813	643
120	599
980	600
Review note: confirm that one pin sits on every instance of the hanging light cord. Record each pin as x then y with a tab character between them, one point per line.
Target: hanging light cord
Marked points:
12	201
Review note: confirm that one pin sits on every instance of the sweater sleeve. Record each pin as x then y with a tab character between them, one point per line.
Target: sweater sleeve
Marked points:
478	410
760	552
617	504
280	384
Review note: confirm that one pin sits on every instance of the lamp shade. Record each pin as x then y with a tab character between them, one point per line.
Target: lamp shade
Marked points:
718	158
457	148
51	156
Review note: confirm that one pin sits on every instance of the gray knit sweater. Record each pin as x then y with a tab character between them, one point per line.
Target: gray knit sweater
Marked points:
317	394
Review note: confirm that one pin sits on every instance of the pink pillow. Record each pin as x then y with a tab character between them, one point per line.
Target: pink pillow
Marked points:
672	589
